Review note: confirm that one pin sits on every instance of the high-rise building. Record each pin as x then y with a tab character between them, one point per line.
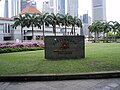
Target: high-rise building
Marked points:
46	8
99	10
15	7
61	6
53	6
85	18
72	7
18	5
25	3
32	3
6	11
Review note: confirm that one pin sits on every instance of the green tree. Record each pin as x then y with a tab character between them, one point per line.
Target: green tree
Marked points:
75	21
96	27
20	21
115	27
31	21
65	21
106	29
42	21
54	20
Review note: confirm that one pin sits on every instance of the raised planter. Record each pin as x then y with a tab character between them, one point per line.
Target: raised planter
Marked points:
64	47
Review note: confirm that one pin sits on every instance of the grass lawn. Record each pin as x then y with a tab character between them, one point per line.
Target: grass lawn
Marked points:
99	57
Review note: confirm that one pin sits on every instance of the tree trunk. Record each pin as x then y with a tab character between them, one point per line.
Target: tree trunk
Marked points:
98	36
107	38
43	32
21	34
74	30
114	39
104	40
95	39
32	33
54	30
71	30
65	30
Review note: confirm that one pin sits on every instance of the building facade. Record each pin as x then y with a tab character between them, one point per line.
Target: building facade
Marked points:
61	6
99	10
6	32
25	3
6	11
72	7
15	7
18	5
46	8
53	6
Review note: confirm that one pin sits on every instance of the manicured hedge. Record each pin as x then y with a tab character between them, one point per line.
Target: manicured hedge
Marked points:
18	47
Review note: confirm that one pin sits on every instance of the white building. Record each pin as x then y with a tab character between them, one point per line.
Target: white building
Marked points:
53	6
61	6
7	33
99	10
72	7
86	21
46	7
15	7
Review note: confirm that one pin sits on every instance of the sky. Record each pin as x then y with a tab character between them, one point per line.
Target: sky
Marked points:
112	8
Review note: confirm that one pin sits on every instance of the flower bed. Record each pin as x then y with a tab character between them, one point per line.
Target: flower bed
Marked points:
16	47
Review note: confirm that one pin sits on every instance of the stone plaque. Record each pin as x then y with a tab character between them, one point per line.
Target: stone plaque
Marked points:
64	47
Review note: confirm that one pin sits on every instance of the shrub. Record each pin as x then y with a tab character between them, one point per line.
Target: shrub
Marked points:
17	47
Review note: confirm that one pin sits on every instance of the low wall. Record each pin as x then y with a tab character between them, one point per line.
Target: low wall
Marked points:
64	47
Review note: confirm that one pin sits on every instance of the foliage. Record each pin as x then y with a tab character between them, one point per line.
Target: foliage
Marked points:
107	28
66	21
31	21
110	34
96	27
54	20
38	20
20	21
17	47
42	20
75	21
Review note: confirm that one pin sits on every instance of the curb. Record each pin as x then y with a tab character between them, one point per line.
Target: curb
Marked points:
55	77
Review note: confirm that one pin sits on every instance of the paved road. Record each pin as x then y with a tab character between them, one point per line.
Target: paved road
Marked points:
93	84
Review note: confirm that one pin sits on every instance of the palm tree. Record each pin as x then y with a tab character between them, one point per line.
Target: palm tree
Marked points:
96	27
65	21
106	29
31	21
20	21
75	21
42	20
115	26
53	20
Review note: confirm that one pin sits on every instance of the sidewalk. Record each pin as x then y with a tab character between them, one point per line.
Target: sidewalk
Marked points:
93	84
80	81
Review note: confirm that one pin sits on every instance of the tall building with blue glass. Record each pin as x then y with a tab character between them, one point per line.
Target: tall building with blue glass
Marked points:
61	6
